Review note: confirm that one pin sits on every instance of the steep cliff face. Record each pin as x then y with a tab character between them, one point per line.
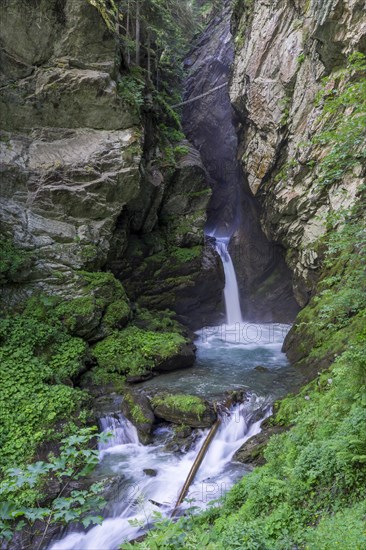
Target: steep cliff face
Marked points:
283	50
70	149
81	176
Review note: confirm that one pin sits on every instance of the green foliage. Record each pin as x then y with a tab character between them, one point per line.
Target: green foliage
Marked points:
157	321
117	314
25	500
287	168
76	310
170	138
135	351
345	529
130	89
183	255
12	260
344	110
37	356
285	105
103	284
181	402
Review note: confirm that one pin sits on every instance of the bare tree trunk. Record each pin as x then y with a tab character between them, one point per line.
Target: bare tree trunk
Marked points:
148	55
157	68
128	34
138	29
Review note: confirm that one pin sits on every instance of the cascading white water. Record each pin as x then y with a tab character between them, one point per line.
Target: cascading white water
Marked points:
231	291
136	499
122	431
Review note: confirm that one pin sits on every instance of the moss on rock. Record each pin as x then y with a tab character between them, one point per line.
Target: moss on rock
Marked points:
101	306
189	410
117	315
136	352
136	407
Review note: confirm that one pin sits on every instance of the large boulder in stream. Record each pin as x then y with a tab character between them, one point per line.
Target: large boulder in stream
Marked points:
189	410
136	407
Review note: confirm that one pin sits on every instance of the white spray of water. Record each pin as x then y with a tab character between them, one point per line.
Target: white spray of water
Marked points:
134	501
231	291
122	432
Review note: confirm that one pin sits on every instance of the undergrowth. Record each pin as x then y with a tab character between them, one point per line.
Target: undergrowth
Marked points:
38	360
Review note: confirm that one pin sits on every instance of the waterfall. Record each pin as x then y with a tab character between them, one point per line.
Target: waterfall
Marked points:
122	431
231	291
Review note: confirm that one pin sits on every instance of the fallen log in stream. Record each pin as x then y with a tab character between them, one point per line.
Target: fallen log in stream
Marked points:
197	463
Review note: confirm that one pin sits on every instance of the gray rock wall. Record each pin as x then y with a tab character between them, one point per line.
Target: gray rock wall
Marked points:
70	150
80	170
283	50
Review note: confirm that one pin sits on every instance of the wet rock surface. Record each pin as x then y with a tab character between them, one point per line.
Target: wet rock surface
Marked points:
252	450
184	358
136	407
283	50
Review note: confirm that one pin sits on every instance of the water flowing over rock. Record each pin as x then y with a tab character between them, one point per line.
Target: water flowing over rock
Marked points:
283	50
231	293
169	473
263	279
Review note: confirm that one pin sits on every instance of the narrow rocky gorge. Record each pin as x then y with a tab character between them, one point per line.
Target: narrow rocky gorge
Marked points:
171	262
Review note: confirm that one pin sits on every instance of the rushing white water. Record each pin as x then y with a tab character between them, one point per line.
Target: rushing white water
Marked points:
122	432
231	291
134	499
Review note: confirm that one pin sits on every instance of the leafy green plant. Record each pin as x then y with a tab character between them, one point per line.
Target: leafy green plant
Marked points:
183	255
38	359
25	502
12	260
130	89
343	100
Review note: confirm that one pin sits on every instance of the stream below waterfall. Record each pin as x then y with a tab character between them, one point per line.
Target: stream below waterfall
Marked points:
228	357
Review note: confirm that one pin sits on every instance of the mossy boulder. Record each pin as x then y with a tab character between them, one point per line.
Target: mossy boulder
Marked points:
135	352
101	306
136	407
189	410
117	315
